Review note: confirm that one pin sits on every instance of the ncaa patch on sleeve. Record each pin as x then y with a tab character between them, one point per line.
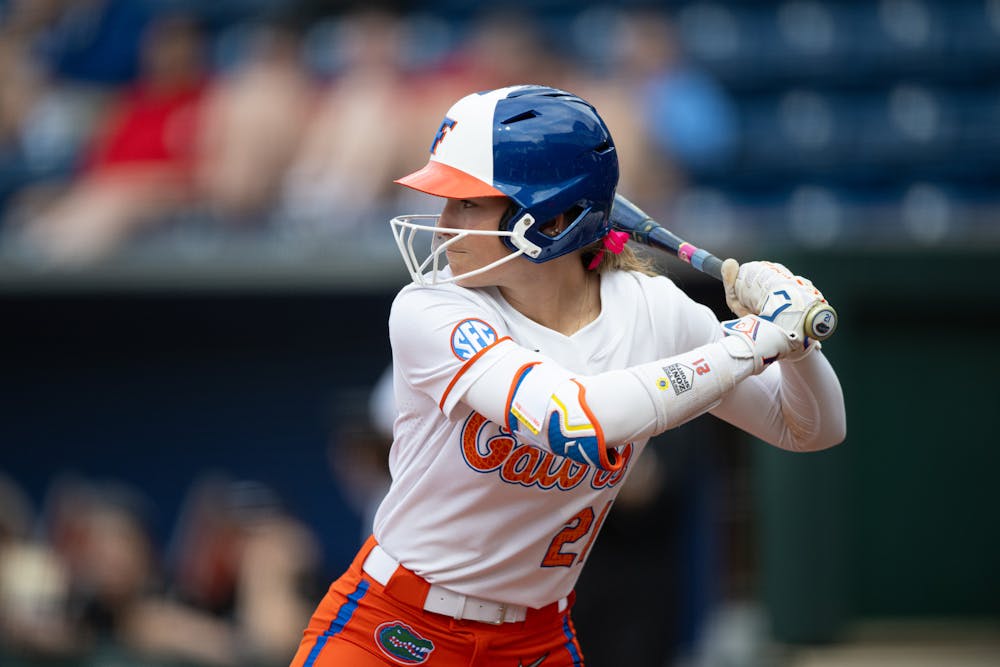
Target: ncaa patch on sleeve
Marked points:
471	336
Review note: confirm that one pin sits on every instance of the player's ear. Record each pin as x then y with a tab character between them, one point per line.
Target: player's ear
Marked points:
563	221
555	226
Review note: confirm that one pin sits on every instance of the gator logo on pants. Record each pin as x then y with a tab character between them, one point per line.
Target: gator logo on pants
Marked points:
399	641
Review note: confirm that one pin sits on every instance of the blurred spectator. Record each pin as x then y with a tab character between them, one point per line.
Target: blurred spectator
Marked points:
236	589
73	591
92	41
100	533
241	577
351	149
501	48
358	451
140	167
43	123
690	116
20	88
15	512
34	584
668	118
254	121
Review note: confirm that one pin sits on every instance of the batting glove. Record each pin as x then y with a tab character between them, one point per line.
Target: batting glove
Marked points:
751	337
770	290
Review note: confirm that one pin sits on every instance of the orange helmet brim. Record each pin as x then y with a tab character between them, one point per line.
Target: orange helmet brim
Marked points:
441	180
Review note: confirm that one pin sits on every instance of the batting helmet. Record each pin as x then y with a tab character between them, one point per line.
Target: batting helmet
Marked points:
545	149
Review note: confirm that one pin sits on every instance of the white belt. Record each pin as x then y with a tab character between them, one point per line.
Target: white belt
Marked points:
380	566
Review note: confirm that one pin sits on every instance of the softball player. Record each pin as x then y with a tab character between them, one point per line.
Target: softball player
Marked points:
533	358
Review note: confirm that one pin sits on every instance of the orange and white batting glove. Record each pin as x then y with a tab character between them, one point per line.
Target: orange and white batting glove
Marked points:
751	337
772	292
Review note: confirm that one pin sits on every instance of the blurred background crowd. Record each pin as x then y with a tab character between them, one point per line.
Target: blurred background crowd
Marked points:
195	270
806	122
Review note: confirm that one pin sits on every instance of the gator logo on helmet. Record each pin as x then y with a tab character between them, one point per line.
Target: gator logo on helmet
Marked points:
401	643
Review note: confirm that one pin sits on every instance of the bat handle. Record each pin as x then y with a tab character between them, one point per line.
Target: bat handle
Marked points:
653	234
820	321
712	265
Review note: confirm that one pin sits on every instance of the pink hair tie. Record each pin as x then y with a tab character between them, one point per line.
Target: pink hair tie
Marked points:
613	242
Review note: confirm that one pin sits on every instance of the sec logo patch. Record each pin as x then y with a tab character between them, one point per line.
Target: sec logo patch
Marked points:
471	336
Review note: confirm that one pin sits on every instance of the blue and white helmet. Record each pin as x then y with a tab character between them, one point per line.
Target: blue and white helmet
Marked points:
545	149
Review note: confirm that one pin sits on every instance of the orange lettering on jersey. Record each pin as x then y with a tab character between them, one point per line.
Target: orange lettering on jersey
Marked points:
521	467
528	465
604	478
498	447
488	447
568	474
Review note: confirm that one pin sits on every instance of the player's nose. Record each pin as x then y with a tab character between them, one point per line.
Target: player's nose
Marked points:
441	234
444	229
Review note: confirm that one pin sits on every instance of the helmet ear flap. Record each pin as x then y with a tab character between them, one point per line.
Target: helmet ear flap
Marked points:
529	236
556	156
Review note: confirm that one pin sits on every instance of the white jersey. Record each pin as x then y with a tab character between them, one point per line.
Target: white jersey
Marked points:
473	508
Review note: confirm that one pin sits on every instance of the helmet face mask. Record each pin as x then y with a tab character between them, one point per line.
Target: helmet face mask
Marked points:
407	230
546	150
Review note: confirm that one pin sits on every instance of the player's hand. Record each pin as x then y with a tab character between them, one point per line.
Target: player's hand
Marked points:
770	290
751	337
730	272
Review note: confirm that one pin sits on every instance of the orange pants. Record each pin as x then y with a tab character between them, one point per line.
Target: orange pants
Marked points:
360	623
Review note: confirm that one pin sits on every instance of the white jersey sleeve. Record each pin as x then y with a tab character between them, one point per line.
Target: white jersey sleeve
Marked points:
794	405
443	340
